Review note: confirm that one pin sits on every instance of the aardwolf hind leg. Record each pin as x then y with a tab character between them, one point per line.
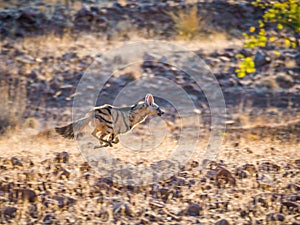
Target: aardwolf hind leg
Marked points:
101	140
113	138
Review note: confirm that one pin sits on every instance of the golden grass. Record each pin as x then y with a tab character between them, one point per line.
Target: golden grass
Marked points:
187	24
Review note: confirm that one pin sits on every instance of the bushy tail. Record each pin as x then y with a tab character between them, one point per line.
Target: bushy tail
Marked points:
72	128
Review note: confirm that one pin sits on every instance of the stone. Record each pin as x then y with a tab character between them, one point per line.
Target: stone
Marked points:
193	210
63	201
122	209
48	219
9	212
261	59
16	162
284	81
222	222
275	217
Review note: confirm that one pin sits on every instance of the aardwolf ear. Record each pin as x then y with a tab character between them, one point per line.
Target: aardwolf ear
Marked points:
149	100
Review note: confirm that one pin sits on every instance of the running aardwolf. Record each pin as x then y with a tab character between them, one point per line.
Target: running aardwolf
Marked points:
109	121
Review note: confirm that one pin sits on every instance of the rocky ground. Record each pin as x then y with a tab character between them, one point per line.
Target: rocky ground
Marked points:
46	48
252	182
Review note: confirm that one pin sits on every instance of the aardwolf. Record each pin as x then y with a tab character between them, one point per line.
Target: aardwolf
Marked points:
108	121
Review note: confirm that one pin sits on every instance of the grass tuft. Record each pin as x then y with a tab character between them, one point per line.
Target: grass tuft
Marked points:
187	24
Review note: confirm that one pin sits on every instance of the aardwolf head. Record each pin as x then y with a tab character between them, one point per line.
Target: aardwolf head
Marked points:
148	107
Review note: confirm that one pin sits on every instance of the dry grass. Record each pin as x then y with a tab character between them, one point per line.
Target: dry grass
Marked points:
91	44
13	104
245	117
187	24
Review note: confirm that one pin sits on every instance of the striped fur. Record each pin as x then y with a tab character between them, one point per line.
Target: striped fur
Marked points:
108	121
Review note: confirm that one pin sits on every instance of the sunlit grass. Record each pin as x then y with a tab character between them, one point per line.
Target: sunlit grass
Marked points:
187	23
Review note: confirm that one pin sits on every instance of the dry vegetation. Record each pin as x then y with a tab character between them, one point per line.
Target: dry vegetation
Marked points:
13	103
187	24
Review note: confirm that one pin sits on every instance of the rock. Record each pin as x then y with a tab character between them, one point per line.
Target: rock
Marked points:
106	180
6	187
297	58
48	219
294	198
85	167
15	161
122	209
275	217
9	212
157	204
224	175
222	222
178	181
294	187
224	59
26	59
28	195
195	164
261	59
63	201
104	215
33	211
164	193
61	173
241	174
265	181
284	81
250	168
30	20
69	55
268	166
67	86
127	77
227	82
192	210
291	206
246	52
